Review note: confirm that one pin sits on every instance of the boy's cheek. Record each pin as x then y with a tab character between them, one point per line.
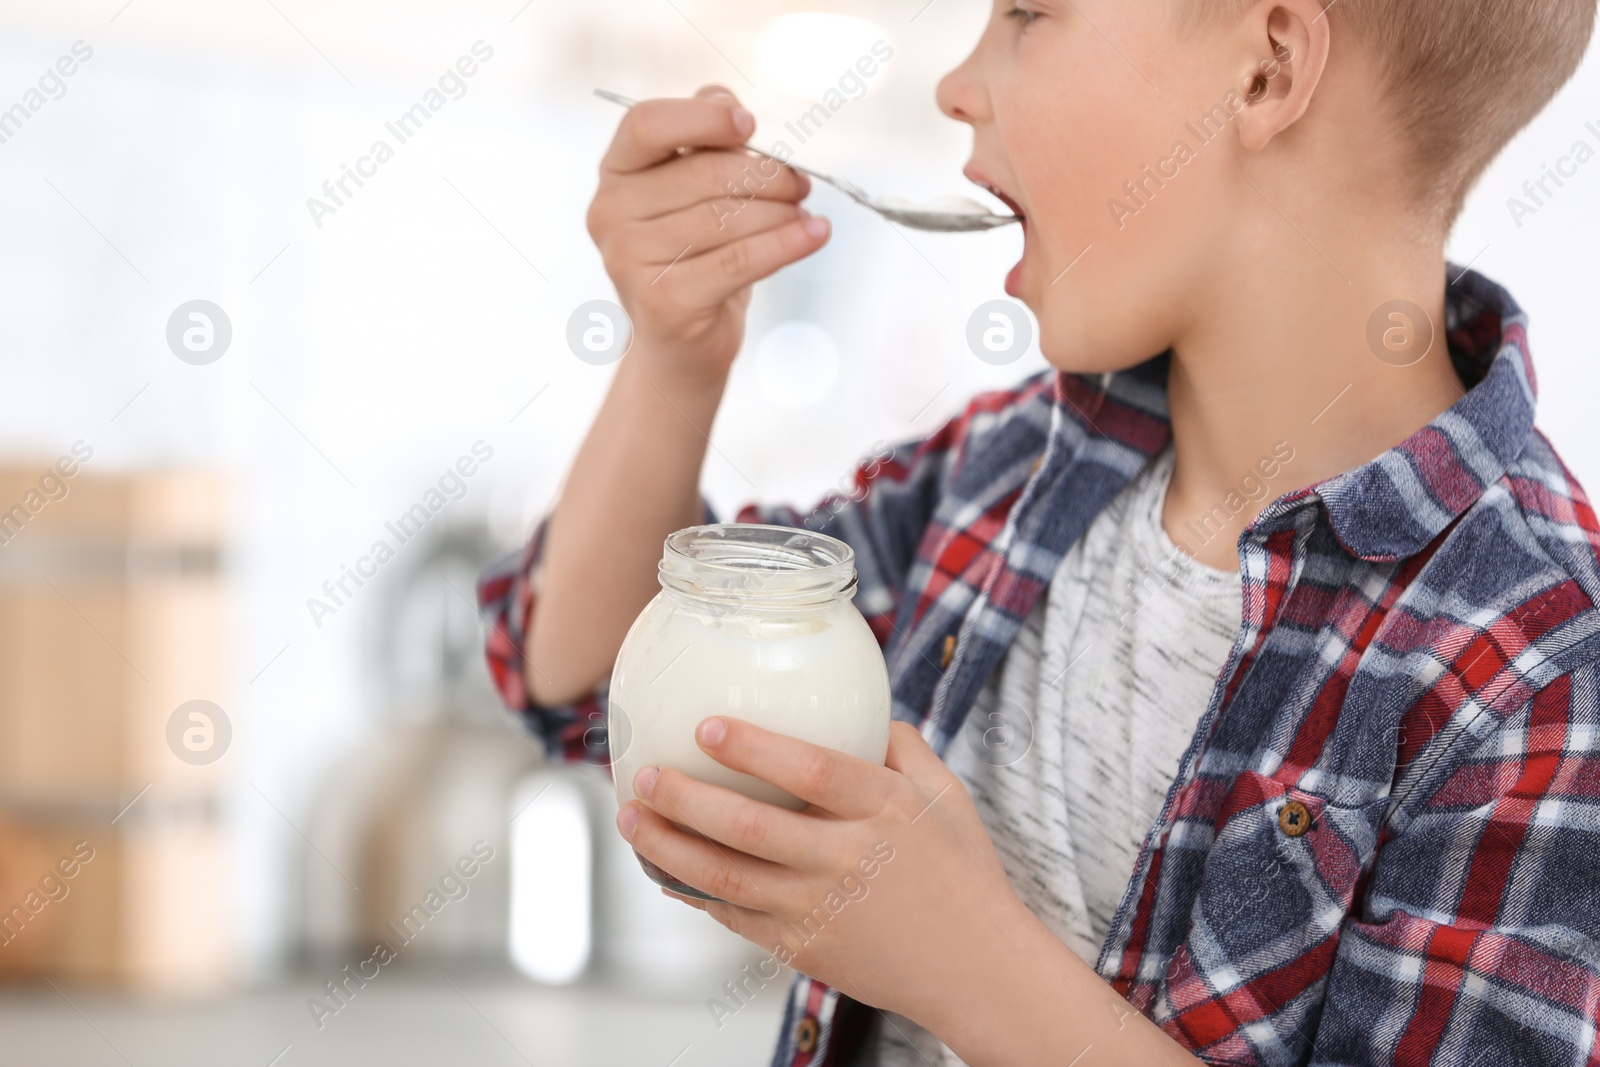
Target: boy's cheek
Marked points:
1081	131
1103	263
1070	158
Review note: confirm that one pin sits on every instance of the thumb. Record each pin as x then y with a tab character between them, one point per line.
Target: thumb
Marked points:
714	90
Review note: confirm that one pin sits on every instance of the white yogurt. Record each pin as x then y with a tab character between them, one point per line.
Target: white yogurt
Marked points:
949	205
814	672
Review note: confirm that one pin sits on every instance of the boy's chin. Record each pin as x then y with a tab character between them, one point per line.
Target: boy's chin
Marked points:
1078	353
1092	368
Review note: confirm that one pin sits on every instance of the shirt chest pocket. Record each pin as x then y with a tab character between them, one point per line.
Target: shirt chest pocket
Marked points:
1245	985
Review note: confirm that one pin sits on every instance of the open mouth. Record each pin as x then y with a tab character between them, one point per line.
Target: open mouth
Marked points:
996	192
1008	202
1014	280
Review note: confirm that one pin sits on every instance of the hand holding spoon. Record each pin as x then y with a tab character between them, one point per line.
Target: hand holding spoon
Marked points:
950	214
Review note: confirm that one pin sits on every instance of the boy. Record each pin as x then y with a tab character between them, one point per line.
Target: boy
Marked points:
1247	694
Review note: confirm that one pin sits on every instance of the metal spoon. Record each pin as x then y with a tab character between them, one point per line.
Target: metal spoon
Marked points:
914	217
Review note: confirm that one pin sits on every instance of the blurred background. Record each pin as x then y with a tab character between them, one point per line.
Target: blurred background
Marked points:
241	744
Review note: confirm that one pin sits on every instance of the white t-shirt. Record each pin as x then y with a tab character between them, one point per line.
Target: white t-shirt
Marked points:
1072	745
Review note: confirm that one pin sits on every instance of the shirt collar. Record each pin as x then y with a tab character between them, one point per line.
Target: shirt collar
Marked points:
1394	506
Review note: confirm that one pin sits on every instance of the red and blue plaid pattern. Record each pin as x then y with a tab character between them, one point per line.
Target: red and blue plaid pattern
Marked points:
1383	843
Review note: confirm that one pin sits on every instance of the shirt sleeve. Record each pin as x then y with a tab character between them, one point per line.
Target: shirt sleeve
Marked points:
1479	943
881	515
881	510
507	599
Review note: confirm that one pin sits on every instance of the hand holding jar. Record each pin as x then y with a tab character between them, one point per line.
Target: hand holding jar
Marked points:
796	816
754	621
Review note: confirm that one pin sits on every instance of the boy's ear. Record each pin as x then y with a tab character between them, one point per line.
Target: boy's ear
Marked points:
1292	38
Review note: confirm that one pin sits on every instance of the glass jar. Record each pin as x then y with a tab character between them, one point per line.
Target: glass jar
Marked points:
756	623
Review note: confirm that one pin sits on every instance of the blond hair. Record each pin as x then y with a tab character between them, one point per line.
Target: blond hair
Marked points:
1465	76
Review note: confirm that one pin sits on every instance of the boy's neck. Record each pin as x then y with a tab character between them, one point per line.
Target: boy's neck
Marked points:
1279	361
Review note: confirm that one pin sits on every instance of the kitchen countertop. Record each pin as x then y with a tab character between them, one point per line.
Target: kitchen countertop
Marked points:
398	1021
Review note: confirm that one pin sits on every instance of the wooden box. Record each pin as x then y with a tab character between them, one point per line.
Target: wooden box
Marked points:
113	614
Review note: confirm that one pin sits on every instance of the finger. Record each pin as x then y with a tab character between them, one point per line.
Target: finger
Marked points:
749	826
654	130
845	785
703	864
742	921
707	279
711	176
699	228
910	754
693	902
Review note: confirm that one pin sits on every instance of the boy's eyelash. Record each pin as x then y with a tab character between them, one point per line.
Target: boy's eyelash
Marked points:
1022	15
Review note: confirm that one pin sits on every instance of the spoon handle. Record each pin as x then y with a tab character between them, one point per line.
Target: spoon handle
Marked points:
848	189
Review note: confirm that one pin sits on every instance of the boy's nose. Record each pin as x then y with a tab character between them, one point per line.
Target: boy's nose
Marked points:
961	95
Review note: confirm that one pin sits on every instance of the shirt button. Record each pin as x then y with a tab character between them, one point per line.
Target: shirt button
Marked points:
805	1035
1294	819
949	652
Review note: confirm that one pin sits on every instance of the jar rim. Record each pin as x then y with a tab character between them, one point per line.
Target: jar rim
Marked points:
753	564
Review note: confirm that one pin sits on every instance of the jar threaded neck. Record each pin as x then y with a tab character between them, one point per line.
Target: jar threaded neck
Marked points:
755	566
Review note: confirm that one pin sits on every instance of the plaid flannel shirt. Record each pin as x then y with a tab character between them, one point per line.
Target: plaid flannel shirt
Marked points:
1381	844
